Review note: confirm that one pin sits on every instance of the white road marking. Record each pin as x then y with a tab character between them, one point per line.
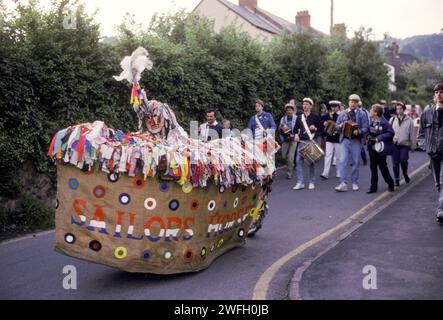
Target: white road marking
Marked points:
34	235
262	285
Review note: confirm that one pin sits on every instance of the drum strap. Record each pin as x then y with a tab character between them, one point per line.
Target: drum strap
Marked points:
305	124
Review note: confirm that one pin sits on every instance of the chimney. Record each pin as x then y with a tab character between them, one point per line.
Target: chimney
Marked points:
303	19
339	30
251	4
396	49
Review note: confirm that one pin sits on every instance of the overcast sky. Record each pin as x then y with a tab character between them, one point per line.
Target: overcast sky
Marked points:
400	18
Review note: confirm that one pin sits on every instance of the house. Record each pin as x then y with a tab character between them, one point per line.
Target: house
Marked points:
397	59
248	17
395	63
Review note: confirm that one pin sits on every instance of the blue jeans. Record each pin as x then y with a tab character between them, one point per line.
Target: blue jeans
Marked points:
353	148
300	165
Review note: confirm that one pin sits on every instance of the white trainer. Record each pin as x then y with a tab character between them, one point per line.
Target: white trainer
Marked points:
311	186
299	186
355	187
342	187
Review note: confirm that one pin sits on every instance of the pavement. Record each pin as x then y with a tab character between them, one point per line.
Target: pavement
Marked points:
31	269
403	242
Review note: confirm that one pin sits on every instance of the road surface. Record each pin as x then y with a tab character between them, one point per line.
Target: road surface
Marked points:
31	269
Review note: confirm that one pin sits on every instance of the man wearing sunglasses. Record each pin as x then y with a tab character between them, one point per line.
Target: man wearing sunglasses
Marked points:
431	137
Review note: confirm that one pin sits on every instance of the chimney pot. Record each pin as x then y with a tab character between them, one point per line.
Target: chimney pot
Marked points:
251	4
303	19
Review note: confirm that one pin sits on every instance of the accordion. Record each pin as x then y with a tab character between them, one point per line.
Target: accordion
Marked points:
311	152
349	128
330	128
285	132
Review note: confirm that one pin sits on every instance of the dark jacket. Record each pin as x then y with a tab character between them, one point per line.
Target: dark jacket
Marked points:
299	128
430	136
380	130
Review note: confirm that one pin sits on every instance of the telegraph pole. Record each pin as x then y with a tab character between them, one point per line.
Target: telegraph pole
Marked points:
332	16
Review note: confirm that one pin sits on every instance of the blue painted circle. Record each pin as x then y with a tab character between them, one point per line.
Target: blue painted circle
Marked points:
146	255
164	187
73	184
174	205
124	199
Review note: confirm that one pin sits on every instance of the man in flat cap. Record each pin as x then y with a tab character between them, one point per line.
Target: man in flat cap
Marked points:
262	123
431	138
351	146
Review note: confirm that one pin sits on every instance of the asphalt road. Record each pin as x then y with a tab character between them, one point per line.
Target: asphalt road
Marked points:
404	245
31	269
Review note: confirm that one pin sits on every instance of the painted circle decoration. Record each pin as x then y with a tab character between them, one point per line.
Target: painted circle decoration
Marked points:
211	205
120	252
70	238
236	202
146	255
188	255
113	177
194	205
150	203
167	255
57	203
187	188
241	233
94	245
222	189
174	205
164	187
99	192
124	199
251	213
138	183
220	243
73	184
203	252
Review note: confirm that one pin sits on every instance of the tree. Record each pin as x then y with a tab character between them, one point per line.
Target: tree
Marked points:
369	75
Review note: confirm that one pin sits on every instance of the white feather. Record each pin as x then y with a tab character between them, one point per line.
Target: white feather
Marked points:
134	65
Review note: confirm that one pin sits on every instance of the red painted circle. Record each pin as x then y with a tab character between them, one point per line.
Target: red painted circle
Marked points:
138	183
99	192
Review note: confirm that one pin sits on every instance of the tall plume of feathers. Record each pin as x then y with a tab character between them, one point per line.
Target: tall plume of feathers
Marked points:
134	65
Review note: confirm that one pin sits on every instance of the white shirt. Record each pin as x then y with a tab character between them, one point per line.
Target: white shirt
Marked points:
204	130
